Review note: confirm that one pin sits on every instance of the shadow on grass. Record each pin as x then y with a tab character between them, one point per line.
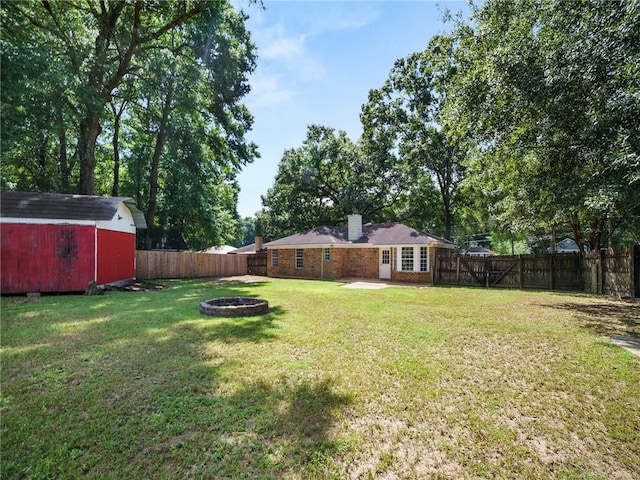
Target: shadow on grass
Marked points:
606	318
270	430
252	329
127	385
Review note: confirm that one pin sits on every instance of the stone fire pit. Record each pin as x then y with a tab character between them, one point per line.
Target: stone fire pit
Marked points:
234	307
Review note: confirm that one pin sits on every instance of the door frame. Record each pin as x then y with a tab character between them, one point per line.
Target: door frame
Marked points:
384	264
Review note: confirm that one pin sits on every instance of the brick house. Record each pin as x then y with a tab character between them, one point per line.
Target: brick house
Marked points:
390	251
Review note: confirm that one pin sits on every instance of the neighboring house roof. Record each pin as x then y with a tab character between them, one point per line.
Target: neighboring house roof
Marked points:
480	251
247	249
220	250
66	207
376	234
567	245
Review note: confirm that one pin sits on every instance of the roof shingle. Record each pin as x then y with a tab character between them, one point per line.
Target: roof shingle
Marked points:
65	206
372	234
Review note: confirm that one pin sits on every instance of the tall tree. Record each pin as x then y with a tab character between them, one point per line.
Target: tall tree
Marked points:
199	130
38	107
403	117
548	91
123	96
324	180
100	42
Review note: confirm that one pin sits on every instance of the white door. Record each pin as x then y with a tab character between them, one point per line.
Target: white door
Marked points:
385	263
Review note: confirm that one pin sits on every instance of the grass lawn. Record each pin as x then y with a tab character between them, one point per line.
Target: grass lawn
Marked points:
402	382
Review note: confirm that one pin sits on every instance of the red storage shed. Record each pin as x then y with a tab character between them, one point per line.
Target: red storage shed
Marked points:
60	243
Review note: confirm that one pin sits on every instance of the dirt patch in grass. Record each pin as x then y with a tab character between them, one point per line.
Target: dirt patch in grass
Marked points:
241	279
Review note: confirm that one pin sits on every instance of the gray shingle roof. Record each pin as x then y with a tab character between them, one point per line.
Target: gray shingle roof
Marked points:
372	234
65	206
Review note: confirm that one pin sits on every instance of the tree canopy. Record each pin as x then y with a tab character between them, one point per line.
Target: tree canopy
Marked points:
549	93
525	119
130	98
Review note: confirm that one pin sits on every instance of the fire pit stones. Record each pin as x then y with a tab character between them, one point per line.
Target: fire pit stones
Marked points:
234	307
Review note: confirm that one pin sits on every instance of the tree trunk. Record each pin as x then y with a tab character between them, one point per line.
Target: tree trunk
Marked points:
43	180
63	161
89	130
448	215
161	138
116	150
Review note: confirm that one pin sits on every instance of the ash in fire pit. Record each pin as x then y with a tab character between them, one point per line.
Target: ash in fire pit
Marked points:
234	307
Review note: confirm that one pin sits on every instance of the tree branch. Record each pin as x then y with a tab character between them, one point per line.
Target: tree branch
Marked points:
178	21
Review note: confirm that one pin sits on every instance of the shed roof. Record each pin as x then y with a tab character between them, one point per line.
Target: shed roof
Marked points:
372	235
66	206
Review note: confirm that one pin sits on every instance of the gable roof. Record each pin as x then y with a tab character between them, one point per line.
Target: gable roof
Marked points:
66	206
376	234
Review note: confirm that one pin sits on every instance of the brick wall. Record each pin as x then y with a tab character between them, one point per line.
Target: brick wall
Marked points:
412	277
415	277
344	262
360	262
313	264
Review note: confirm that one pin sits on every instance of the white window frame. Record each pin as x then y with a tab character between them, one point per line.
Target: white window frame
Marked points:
326	256
408	258
299	258
416	259
274	257
426	265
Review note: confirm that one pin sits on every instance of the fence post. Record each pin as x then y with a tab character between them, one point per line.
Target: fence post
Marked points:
458	270
552	270
487	270
632	273
600	267
520	272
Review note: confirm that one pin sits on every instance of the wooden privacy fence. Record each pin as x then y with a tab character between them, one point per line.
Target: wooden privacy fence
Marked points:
257	264
164	264
613	271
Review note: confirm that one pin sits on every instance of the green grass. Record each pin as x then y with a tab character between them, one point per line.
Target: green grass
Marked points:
334	383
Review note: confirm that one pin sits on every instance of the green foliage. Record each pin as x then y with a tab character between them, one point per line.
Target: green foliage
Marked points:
248	228
326	179
509	244
548	90
130	98
403	119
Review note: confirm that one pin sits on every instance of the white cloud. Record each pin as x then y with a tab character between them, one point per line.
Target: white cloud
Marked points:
268	90
286	66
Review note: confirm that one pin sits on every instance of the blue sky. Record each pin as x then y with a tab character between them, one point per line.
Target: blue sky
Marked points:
317	61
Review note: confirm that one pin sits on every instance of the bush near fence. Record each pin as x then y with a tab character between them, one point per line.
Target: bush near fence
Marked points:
611	271
166	264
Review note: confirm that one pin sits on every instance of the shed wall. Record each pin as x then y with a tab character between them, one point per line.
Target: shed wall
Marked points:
46	258
116	256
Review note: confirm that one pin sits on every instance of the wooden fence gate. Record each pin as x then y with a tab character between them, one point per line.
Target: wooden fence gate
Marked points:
612	271
257	264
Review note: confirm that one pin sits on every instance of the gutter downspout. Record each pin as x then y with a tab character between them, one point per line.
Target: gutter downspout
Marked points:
322	264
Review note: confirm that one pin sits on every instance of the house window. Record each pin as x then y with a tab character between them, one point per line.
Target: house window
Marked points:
385	257
299	262
424	259
407	259
274	258
327	254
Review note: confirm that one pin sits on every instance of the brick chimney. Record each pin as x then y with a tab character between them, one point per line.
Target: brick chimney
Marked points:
258	243
354	226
